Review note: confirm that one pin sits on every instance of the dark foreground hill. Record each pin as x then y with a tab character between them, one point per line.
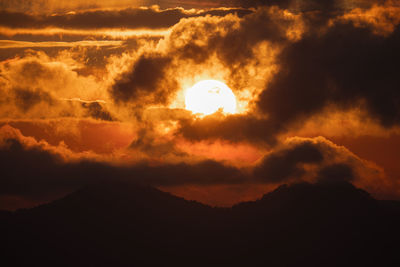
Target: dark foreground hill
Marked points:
130	225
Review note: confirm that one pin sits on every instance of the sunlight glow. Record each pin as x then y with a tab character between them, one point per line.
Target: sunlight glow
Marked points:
208	96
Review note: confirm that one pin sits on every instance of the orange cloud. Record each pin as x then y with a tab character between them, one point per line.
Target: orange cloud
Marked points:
100	137
382	18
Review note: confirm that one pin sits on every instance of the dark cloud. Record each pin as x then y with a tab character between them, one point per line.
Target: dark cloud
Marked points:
312	159
340	172
235	48
52	6
148	141
285	164
258	3
310	5
37	171
133	18
33	168
26	170
346	66
34	70
262	25
33	171
145	80
166	114
25	99
98	111
217	126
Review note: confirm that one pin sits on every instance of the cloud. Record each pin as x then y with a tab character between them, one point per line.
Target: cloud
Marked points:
54	5
284	164
336	173
327	68
206	41
49	169
383	19
274	61
310	5
195	38
97	111
39	86
35	169
217	126
101	137
26	99
144	81
38	6
155	74
130	18
23	44
314	160
346	66
203	47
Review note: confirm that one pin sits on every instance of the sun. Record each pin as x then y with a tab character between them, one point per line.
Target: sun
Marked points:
208	96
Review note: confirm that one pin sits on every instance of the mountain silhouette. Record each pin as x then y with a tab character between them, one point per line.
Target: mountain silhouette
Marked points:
125	224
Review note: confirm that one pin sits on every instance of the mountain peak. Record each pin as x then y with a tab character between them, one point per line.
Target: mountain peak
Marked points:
335	191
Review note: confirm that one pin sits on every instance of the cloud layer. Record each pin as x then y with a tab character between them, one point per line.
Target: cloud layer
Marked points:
39	171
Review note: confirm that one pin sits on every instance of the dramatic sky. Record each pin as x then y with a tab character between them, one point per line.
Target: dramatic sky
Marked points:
95	90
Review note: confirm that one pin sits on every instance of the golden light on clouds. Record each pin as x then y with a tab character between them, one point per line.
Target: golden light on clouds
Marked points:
209	96
115	34
171	86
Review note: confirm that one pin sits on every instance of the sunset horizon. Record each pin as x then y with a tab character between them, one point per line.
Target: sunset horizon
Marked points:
238	105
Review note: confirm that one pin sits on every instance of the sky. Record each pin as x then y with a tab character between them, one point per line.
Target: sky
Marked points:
95	91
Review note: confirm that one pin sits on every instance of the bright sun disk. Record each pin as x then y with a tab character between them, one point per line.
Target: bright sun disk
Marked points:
208	96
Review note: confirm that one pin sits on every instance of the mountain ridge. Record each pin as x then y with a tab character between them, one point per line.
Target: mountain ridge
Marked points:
122	224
